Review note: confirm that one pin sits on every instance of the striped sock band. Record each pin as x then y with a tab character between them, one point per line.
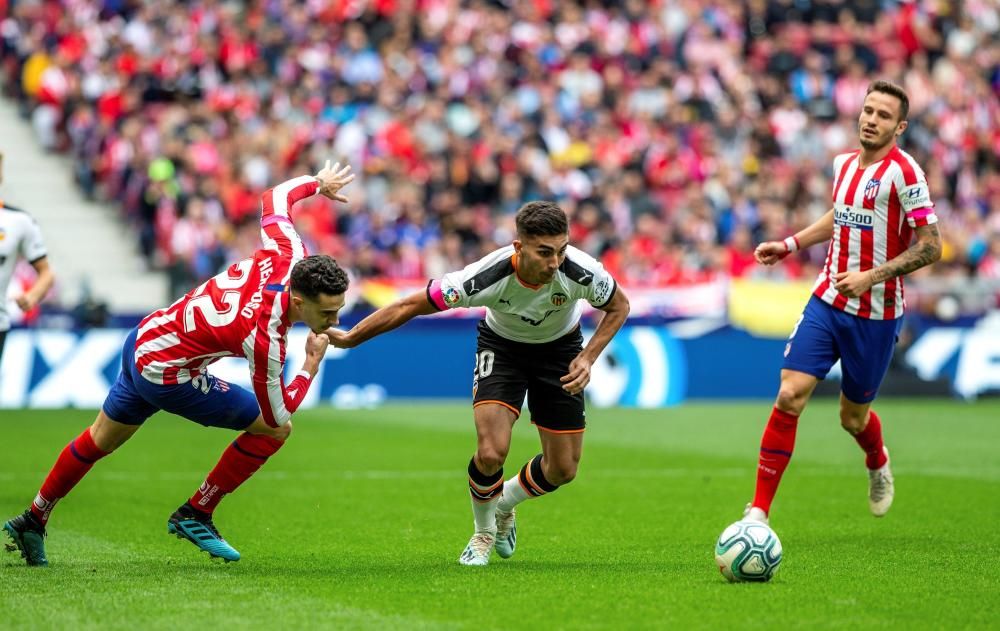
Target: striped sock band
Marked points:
482	487
533	480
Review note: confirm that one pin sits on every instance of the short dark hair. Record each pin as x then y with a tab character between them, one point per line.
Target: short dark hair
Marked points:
890	88
319	274
541	219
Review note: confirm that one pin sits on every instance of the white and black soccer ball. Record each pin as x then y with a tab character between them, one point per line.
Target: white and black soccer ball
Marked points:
748	551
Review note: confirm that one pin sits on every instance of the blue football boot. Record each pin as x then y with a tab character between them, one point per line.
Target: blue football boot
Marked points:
506	534
197	527
28	536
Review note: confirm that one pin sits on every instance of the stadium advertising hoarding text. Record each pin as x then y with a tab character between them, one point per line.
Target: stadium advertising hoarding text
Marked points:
644	366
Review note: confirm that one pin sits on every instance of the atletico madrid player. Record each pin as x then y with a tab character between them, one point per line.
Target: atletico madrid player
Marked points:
244	311
880	201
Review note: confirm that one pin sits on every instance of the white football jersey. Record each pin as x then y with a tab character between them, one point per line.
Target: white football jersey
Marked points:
20	237
523	312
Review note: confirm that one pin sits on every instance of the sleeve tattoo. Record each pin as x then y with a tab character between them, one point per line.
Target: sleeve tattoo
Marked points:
925	251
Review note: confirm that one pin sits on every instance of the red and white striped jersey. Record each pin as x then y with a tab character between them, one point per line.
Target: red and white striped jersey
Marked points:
874	213
242	311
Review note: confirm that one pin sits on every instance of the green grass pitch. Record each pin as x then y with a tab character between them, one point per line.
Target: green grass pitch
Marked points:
359	521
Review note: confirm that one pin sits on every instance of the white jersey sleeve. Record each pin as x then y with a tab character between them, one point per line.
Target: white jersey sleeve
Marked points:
475	285
32	243
593	283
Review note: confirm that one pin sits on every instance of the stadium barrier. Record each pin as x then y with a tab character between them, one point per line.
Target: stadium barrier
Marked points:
649	364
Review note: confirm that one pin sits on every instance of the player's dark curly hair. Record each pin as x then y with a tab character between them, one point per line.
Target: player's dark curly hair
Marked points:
541	219
890	88
318	274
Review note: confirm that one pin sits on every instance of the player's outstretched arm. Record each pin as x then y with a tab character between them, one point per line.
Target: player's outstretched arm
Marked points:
385	319
615	313
924	251
821	230
277	230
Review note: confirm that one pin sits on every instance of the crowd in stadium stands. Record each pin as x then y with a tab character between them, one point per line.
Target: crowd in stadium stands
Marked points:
677	134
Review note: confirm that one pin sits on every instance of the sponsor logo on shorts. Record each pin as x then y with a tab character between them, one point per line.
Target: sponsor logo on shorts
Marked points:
203	383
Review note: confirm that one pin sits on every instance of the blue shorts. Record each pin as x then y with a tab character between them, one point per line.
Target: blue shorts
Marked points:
864	348
205	400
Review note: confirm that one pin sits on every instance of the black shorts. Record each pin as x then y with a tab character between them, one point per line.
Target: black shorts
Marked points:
507	370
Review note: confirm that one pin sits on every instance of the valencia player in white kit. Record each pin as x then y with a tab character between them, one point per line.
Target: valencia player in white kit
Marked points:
20	237
528	344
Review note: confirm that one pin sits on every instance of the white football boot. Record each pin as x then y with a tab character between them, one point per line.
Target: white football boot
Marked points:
506	534
478	550
880	488
752	513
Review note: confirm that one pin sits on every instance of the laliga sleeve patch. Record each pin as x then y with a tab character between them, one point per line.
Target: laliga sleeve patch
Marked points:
451	296
915	196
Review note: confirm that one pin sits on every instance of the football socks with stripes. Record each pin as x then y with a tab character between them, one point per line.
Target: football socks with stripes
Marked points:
775	451
485	491
73	463
870	440
529	482
239	461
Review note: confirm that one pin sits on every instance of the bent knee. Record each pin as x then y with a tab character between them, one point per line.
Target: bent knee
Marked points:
282	432
491	458
852	423
260	428
790	399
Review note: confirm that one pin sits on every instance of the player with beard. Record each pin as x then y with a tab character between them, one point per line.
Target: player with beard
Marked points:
880	201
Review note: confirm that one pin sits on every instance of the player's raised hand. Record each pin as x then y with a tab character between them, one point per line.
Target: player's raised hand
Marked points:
578	376
316	345
852	284
770	252
332	179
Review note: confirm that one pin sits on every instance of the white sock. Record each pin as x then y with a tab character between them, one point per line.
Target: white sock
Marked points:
485	515
513	494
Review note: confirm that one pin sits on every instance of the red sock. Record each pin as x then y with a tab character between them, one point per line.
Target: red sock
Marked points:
870	439
239	461
775	451
73	463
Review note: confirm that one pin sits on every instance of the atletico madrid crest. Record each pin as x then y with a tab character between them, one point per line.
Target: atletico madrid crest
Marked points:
871	189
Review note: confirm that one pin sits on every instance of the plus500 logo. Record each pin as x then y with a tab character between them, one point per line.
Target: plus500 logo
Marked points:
847	216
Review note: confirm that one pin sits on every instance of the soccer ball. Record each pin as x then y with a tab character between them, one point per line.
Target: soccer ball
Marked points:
748	551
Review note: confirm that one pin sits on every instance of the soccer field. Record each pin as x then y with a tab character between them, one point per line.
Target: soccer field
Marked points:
358	523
